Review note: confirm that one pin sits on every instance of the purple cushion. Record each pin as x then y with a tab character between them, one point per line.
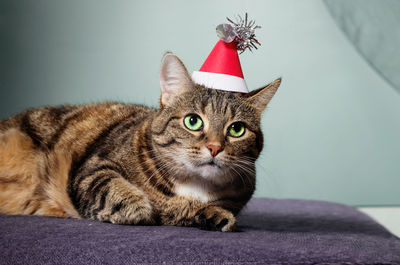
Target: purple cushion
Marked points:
271	232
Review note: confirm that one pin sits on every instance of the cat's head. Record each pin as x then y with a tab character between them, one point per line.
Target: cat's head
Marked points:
206	133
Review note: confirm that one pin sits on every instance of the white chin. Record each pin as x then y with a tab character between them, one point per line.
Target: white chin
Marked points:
209	171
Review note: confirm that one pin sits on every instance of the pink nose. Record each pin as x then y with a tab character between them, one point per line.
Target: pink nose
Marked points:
214	149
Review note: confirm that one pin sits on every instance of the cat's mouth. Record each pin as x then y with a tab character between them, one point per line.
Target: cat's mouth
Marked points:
211	163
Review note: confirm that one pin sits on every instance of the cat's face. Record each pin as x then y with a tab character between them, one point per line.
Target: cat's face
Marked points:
206	133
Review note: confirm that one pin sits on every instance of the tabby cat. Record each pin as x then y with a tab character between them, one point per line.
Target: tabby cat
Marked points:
189	163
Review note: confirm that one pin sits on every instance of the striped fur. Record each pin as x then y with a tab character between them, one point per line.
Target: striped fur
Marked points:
130	164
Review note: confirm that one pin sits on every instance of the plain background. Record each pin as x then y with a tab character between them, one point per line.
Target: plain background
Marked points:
331	132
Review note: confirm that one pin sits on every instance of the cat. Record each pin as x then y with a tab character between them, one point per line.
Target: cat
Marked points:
188	163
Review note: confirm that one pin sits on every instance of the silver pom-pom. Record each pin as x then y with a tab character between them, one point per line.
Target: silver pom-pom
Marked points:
226	32
241	31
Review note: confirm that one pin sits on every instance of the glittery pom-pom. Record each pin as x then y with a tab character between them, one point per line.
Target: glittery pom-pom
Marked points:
241	31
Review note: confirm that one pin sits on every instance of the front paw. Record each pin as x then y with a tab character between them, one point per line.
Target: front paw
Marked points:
128	212
135	214
215	218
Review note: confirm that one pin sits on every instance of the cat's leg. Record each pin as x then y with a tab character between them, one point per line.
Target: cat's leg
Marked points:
106	196
185	212
126	204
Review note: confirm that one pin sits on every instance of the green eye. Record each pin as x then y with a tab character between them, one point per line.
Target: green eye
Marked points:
193	122
236	129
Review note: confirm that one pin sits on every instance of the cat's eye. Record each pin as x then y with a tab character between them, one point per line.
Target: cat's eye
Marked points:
236	129
193	122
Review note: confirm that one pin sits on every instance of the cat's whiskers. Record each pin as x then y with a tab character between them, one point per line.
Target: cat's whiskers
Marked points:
162	166
169	170
246	164
249	173
238	173
251	160
241	167
157	156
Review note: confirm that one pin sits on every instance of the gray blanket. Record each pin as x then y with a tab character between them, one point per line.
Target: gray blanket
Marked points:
270	232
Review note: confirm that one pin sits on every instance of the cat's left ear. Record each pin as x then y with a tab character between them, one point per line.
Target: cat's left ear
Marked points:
260	98
174	79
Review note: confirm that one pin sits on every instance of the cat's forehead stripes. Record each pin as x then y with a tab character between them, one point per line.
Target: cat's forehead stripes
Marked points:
220	102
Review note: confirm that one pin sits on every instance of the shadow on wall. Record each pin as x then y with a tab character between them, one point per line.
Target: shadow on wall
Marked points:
373	28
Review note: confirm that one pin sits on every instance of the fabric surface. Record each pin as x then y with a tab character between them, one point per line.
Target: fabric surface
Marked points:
373	28
271	232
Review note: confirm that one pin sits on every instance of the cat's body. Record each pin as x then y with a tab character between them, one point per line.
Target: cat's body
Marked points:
129	164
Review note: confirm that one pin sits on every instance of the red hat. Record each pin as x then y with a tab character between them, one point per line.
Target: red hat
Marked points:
222	69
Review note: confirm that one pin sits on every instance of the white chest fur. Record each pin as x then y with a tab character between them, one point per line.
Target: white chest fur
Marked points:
194	190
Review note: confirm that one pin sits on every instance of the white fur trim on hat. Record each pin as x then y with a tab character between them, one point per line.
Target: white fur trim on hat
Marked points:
220	81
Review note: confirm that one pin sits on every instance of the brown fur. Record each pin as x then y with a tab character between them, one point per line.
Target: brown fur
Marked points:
129	164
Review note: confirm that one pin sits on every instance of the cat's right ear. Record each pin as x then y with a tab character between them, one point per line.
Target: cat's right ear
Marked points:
174	79
260	98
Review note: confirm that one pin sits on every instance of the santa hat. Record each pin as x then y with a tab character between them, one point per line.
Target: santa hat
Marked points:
222	69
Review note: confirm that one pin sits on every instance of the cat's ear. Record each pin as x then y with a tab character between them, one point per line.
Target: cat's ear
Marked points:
174	78
260	98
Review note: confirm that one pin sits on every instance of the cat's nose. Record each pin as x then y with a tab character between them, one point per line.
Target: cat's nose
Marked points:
214	149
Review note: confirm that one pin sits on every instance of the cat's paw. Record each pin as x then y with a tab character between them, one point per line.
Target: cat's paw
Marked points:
215	218
133	214
137	213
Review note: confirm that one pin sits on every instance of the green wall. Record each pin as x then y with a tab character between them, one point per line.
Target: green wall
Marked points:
332	130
